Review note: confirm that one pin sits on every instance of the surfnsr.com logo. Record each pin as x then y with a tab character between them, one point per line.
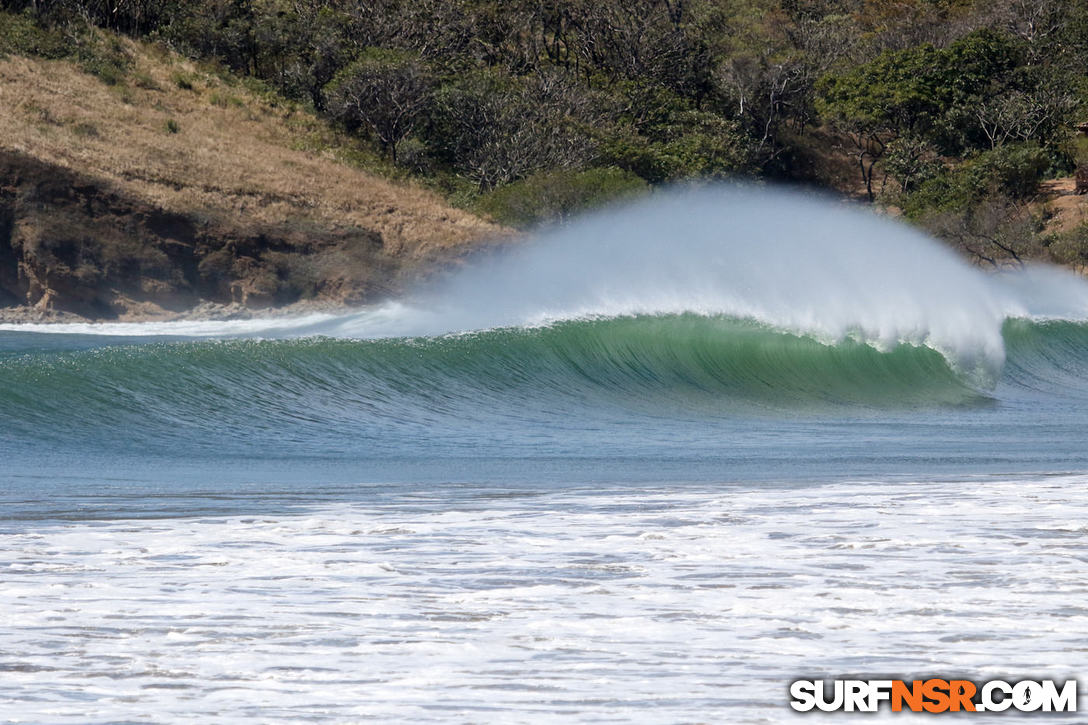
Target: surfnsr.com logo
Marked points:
933	695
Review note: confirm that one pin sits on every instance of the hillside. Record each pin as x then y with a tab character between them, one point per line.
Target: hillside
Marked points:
158	155
951	113
174	187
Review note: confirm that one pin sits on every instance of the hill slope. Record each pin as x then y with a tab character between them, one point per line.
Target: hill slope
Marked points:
175	187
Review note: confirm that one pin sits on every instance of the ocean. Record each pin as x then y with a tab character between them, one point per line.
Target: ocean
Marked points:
650	466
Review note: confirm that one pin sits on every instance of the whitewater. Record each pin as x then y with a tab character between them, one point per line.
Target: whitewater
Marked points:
648	466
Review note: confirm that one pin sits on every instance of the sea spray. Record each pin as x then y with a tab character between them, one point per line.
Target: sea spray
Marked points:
796	262
1042	292
727	324
793	261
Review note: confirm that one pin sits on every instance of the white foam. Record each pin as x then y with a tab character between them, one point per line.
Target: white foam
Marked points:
789	260
793	261
269	326
648	605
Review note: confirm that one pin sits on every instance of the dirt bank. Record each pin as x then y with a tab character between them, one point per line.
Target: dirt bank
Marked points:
177	189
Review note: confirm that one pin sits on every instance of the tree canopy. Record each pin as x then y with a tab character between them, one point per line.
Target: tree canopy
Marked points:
475	95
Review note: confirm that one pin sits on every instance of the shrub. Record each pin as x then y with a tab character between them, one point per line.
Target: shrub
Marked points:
20	35
923	91
183	81
385	92
1080	151
494	128
143	80
694	144
548	197
1070	247
1014	171
103	57
911	162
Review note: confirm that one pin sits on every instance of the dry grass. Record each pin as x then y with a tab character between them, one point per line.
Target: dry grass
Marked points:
213	149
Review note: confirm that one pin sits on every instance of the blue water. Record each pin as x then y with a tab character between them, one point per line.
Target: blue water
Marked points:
137	420
649	467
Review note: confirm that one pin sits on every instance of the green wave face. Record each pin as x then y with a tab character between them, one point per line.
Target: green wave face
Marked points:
1048	357
733	330
719	364
683	367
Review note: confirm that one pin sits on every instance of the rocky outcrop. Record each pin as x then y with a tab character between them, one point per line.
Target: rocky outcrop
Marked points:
70	243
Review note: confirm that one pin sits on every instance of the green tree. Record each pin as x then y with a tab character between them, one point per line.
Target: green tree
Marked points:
924	92
385	91
554	196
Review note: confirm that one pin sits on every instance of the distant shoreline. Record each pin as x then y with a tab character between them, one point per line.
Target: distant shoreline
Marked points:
204	312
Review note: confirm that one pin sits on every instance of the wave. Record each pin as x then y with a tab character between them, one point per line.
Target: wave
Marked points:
346	393
692	306
794	262
1048	357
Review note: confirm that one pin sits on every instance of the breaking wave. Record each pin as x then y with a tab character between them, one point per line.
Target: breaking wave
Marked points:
706	303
